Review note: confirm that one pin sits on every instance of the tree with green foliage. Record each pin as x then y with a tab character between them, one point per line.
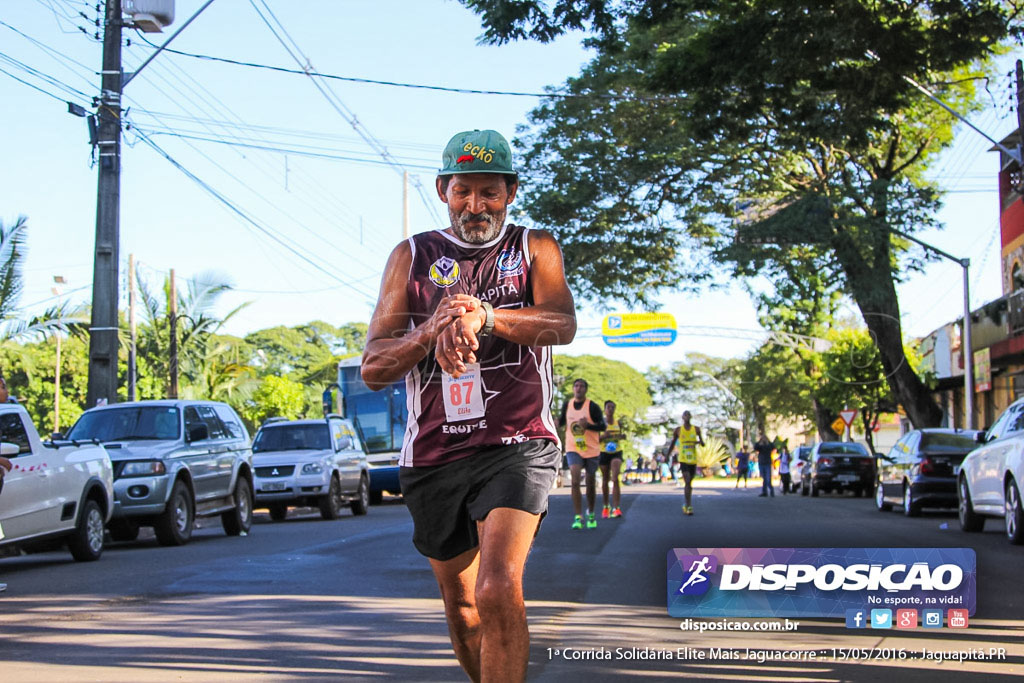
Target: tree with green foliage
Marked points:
198	326
791	121
275	397
853	377
707	385
15	325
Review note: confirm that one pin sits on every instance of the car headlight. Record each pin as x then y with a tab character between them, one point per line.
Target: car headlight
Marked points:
312	468
143	468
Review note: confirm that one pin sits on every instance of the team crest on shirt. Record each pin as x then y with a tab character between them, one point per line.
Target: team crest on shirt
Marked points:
510	263
444	272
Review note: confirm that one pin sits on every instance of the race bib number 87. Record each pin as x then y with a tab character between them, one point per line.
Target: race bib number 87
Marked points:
463	397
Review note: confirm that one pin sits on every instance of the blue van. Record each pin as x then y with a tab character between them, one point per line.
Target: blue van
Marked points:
379	417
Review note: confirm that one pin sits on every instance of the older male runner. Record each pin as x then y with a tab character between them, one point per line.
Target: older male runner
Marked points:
468	315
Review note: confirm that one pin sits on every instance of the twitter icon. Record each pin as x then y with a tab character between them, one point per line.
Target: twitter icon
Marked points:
881	618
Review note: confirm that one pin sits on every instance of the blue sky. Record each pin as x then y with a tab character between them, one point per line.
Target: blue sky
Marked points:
343	216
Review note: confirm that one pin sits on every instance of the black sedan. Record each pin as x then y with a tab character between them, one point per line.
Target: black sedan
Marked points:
838	466
921	469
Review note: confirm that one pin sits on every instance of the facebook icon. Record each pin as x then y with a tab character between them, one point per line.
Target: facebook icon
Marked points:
856	618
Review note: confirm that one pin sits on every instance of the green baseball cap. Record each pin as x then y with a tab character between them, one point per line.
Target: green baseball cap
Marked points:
477	151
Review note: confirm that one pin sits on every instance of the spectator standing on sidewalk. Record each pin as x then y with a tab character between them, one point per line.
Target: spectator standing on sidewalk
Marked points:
784	478
764	449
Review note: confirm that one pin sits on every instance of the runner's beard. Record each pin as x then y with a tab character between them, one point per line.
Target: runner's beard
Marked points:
480	233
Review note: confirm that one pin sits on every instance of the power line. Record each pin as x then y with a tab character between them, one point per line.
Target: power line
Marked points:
283	150
417	86
262	196
313	198
52	80
339	106
248	219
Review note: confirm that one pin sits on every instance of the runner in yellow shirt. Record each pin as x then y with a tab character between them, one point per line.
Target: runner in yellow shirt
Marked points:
687	436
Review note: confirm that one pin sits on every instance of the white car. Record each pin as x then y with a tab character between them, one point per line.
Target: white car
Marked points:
991	476
52	494
310	463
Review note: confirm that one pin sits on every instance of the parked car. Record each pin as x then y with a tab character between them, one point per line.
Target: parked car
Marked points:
838	466
920	470
801	459
310	463
173	460
54	494
989	481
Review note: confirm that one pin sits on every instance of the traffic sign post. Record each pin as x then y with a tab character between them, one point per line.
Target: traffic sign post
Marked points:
847	415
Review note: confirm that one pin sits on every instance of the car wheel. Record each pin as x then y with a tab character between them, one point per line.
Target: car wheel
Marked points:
330	504
1014	514
175	523
123	530
911	508
86	544
969	519
376	497
278	511
238	520
880	499
803	488
361	505
814	490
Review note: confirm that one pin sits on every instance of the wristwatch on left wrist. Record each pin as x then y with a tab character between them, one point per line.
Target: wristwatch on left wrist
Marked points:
488	326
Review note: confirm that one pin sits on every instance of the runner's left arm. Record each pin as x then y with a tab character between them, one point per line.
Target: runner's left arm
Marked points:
550	321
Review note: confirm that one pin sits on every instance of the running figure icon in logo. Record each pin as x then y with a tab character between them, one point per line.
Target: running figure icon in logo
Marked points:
697	582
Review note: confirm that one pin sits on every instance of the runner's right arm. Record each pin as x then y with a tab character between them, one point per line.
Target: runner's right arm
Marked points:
392	349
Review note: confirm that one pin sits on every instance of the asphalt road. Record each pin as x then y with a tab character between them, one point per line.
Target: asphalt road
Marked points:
308	599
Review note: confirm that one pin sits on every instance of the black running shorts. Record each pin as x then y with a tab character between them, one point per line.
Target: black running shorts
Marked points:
446	501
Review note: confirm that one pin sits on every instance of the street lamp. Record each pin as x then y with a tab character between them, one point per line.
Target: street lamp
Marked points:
965	343
58	290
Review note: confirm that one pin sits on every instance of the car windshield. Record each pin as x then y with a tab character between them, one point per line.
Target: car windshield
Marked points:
939	440
842	449
128	423
308	437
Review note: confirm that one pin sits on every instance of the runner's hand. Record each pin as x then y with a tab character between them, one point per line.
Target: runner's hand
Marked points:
448	310
453	349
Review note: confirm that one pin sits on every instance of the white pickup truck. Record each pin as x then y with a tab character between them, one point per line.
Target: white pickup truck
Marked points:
52	494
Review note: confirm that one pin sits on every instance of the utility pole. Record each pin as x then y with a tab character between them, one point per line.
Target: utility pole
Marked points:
103	326
172	307
132	350
58	289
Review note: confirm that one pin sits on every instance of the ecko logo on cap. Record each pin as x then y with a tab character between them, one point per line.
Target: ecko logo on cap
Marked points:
817	582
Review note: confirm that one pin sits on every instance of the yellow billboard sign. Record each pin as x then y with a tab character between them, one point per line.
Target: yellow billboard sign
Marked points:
639	329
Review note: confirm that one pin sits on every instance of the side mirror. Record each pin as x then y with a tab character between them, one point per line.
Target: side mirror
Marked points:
56	436
198	432
981	437
7	448
344	443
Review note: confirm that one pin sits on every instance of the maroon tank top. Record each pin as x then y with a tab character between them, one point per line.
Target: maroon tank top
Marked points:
515	381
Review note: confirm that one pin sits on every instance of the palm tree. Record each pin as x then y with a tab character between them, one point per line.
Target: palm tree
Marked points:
200	363
14	325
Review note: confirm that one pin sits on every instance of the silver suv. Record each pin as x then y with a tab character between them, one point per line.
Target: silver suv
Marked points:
173	460
310	462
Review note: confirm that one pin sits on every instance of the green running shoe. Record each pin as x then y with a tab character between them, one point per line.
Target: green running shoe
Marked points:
577	522
591	522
